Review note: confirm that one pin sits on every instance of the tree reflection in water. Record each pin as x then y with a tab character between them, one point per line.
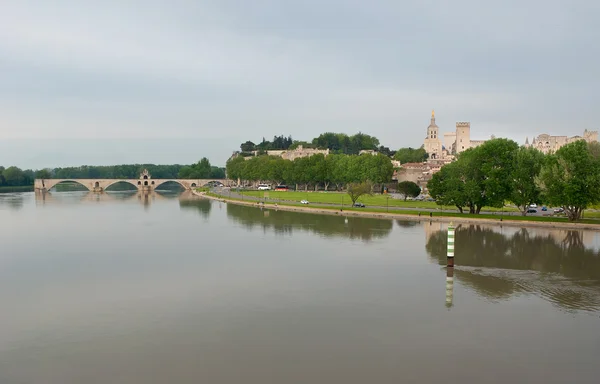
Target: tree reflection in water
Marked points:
13	201
556	266
285	222
203	206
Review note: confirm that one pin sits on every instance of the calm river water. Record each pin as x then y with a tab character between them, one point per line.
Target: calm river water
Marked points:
121	288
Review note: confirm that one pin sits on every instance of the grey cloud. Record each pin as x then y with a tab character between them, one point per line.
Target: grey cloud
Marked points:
231	70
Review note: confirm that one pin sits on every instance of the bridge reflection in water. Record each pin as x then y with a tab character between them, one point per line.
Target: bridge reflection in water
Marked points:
144	197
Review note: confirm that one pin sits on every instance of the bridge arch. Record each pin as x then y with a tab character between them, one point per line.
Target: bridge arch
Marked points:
161	182
115	182
52	185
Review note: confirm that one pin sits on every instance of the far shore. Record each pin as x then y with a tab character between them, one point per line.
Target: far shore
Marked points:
506	221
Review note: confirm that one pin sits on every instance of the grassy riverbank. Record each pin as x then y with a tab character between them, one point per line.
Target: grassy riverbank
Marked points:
340	198
20	188
382	212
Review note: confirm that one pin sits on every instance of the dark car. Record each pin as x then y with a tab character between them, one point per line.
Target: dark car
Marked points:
358	205
531	210
544	209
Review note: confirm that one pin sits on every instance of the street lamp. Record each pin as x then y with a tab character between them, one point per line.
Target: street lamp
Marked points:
387	203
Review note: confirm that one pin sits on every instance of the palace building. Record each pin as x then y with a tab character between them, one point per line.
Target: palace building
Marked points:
443	149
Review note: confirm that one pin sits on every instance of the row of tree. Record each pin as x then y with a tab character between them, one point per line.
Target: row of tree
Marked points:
338	143
499	171
317	170
14	176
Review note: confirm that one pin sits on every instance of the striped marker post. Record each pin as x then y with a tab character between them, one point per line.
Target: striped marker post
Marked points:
450	254
449	286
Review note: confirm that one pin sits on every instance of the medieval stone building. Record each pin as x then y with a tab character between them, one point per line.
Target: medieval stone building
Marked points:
453	142
550	144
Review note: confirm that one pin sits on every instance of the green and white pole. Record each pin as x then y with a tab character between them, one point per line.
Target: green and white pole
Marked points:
450	254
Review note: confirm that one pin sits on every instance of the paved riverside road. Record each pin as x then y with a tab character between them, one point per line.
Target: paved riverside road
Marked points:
226	192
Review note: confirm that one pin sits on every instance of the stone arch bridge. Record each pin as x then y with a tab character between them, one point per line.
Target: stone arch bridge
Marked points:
147	184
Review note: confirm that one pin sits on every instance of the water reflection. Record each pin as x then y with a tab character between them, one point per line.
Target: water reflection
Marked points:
202	206
553	264
144	197
285	222
12	201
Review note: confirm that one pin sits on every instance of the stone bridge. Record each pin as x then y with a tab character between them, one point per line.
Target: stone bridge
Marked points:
145	183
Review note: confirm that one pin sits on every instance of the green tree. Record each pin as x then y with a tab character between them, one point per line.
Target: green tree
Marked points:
448	186
356	190
13	176
410	155
526	168
571	179
409	189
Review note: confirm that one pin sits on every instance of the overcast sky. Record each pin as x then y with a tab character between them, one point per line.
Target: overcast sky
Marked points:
123	81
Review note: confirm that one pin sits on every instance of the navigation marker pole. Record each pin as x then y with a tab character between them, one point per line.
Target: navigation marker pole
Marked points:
450	254
450	266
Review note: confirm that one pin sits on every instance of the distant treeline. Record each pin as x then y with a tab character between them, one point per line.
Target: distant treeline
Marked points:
16	177
317	170
337	143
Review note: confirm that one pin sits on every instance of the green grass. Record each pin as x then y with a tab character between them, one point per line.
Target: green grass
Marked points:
370	201
20	188
416	212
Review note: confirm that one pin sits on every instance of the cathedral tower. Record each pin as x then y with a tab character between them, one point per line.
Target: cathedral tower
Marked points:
433	144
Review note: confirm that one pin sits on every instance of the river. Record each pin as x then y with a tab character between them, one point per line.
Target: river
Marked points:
167	288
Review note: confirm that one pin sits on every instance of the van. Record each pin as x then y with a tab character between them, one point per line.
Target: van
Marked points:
264	187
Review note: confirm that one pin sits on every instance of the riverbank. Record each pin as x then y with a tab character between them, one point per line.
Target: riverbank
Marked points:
514	221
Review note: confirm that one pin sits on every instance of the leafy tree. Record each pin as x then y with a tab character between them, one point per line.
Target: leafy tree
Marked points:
13	176
409	189
386	151
356	190
200	170
410	155
248	146
594	148
494	161
571	179
480	177
448	186
526	168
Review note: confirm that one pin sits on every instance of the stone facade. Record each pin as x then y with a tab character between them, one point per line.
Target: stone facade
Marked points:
291	154
550	144
453	143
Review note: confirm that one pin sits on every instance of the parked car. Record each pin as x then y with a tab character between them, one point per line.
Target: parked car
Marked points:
532	210
533	206
303	201
544	209
559	210
358	205
263	187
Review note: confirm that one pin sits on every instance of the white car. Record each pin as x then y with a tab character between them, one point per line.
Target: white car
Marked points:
263	187
304	202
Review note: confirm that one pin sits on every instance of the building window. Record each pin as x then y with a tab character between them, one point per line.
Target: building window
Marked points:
463	147
461	140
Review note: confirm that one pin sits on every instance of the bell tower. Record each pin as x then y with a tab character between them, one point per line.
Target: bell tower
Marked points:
433	144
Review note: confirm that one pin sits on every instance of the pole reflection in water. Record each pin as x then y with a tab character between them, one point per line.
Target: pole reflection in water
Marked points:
449	287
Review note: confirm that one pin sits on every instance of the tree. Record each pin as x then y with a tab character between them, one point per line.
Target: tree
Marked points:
410	155
248	146
409	189
526	168
448	187
356	190
571	179
13	176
